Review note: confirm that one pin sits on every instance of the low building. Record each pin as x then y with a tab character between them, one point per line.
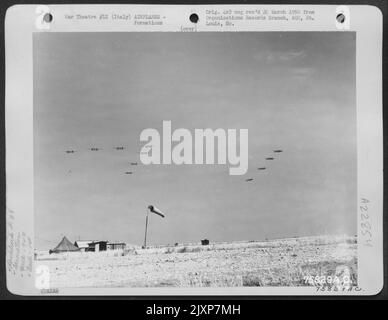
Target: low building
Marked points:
116	246
205	242
83	245
97	246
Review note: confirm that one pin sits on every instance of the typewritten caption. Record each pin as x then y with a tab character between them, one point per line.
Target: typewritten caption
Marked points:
219	18
229	17
133	19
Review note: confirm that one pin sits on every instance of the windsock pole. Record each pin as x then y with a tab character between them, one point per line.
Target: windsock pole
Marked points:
145	233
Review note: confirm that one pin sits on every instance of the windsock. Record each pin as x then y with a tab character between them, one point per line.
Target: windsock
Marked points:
156	211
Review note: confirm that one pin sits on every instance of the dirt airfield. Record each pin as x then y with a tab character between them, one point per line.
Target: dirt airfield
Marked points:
284	262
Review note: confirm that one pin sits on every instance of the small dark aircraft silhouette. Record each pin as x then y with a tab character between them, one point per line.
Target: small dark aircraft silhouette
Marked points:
269	158
278	151
263	168
70	151
133	163
119	148
249	180
94	149
129	172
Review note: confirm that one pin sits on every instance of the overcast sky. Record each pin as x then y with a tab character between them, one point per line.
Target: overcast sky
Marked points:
292	91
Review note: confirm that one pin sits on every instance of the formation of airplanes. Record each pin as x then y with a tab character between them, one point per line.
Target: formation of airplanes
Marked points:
270	158
265	168
95	149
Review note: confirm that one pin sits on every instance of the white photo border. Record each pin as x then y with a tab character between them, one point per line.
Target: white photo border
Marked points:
22	21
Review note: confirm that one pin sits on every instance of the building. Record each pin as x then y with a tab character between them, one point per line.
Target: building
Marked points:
91	245
97	246
205	242
83	245
116	246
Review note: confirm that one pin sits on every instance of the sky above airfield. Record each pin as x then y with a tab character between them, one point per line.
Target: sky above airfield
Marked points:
292	91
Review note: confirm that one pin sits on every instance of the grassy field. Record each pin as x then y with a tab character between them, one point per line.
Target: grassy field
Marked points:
283	262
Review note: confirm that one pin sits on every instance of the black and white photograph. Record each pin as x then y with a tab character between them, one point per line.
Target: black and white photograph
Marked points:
213	159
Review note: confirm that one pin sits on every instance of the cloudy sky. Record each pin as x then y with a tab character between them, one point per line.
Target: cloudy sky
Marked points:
292	91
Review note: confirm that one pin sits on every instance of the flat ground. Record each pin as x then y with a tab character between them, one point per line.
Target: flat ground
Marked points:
285	262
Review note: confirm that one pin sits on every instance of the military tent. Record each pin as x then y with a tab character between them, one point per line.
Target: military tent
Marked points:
64	246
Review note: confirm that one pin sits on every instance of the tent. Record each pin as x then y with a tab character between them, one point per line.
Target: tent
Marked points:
64	246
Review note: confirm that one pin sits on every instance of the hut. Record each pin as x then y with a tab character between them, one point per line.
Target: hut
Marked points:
64	246
91	245
83	245
205	242
97	246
